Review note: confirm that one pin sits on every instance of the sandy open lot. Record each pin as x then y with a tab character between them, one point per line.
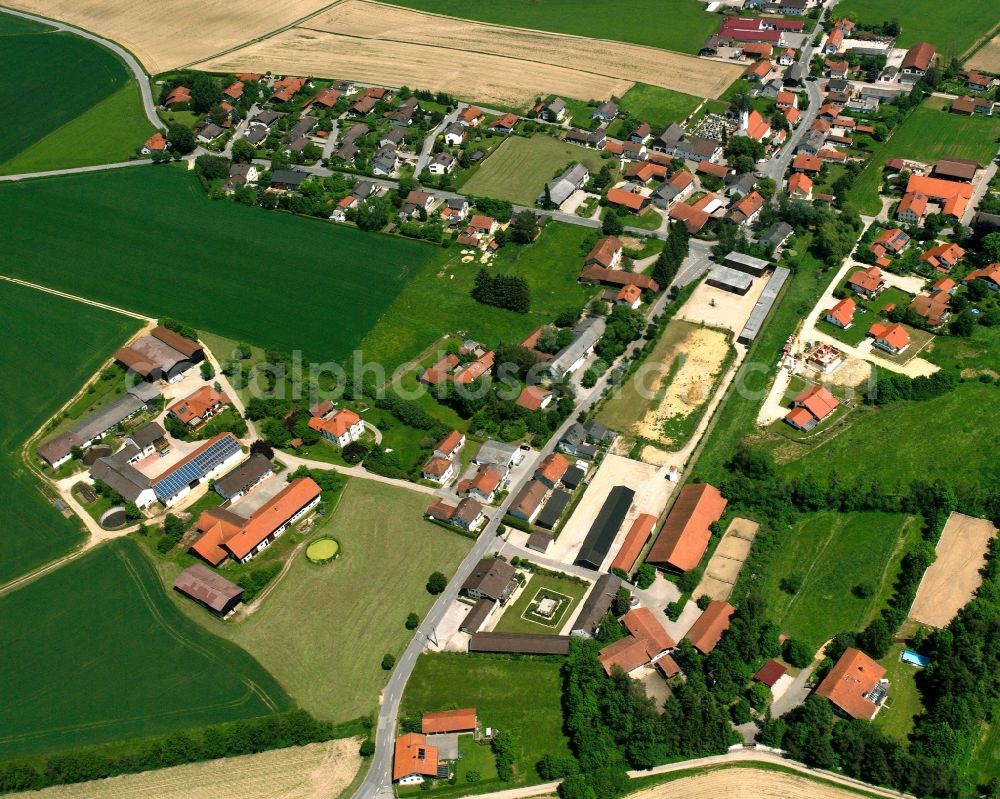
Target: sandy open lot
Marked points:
185	31
712	306
953	578
988	58
491	63
744	783
651	494
299	772
727	560
703	351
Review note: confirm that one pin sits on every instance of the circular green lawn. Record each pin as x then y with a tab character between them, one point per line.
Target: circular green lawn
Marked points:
323	550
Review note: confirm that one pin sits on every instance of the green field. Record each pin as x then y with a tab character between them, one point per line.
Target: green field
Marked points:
896	718
928	133
166	249
658	106
520	167
680	25
36	380
57	83
324	629
522	696
985	763
830	553
98	653
516	619
436	300
884	439
951	27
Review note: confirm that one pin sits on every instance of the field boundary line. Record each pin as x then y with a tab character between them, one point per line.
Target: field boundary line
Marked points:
77	298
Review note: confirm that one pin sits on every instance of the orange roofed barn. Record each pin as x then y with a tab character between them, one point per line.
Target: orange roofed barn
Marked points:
268	522
414	759
685	535
855	685
463	720
636	539
707	631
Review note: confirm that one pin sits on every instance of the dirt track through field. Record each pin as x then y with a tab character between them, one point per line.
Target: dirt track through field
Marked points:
951	580
744	783
316	771
375	43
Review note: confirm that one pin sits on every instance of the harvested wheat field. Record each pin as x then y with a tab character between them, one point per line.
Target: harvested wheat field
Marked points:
316	771
164	37
988	58
745	783
951	580
727	560
695	371
491	63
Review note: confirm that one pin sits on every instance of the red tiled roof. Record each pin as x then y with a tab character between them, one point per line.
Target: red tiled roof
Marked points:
156	142
792	115
180	94
800	182
552	467
693	219
338	424
437	467
234	90
706	632
531	397
635	540
627	653
850	681
286	88
818	401
770	673
757	127
843	311
684	537
216	528
480	221
604	252
709	168
440	371
868	279
893	335
990	273
629	294
799	417
414	755
616	277
265	520
943	254
915	202
463	720
643	625
629	199
197	404
918	57
470	114
449	443
476	369
507	121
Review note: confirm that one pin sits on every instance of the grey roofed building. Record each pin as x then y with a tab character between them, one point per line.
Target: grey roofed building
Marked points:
496	453
729	279
210	132
124	478
597	603
539	541
668	139
740	184
573	477
267	117
492	578
812	144
147	392
474	618
147	435
598	432
347	152
288	178
606	111
763	306
665	194
445	160
573	438
837	85
244	477
90	429
256	134
698	148
238	175
303	126
742	262
553	509
355	132
520	643
208	588
776	235
585	335
568	182
795	74
393	136
603	531
770	89
364	189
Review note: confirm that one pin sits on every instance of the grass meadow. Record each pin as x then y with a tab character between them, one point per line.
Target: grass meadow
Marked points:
927	134
99	654
167	250
324	629
520	167
680	25
514	619
951	27
35	381
658	106
74	76
521	695
435	299
830	553
896	717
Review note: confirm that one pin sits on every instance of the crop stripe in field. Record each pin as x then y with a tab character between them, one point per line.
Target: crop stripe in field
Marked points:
76	298
252	687
834	528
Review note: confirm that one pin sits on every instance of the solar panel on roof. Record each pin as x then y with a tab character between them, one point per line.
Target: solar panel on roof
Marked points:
196	468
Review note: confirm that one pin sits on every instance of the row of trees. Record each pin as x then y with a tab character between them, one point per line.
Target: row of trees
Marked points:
674	251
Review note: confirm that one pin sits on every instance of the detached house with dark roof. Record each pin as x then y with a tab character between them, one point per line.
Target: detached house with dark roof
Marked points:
491	578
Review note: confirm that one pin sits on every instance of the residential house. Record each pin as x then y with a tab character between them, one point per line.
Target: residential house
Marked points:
551	469
586	334
912	208
968	106
482	485
606	111
552	111
800	186
343	428
646	642
786	57
746	210
775	236
149	438
471	117
533	398
386	161
362	107
916	62
990	275
288	179
868	283
527	503
811	407
629	296
631	200
707	630
977	82
208	133
499	455
286	88
197	408
607	253
786	100
890	338
483	225
856	685
417	203
157	143
179	95
394	137
442	164
326	98
491	578
504	124
241	175
842	314
449	446
954	196
894	241
414	760
934	306
439	470
759	71
561	188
